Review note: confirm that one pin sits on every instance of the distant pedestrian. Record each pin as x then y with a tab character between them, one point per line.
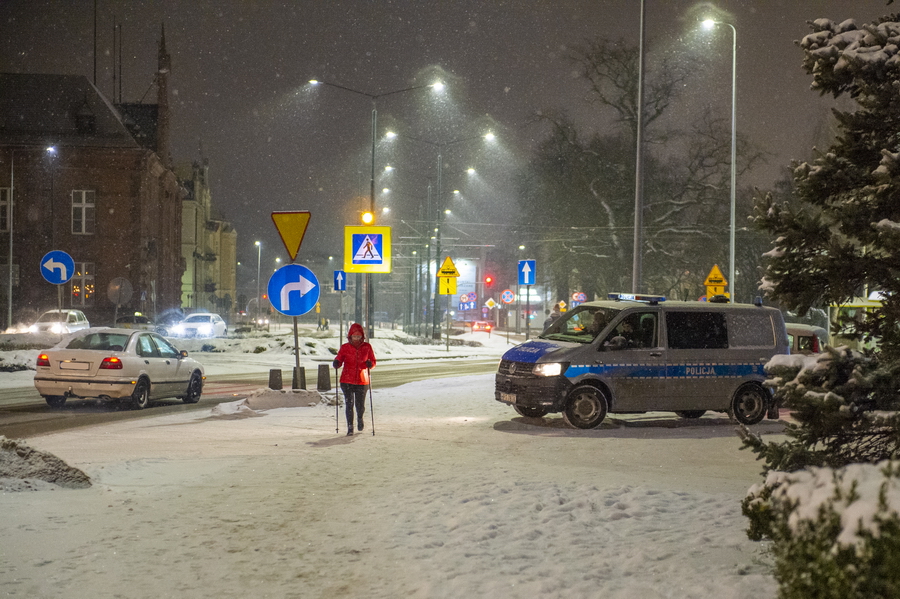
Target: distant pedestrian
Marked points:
552	316
357	358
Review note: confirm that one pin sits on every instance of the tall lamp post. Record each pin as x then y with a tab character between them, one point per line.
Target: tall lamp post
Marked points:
438	86
258	260
732	275
439	212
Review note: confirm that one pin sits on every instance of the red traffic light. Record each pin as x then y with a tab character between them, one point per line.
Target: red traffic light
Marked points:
488	280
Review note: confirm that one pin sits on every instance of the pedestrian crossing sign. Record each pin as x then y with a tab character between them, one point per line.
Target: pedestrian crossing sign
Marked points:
367	249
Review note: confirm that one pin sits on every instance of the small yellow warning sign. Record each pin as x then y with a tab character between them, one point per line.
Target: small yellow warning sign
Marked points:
715	278
292	227
448	269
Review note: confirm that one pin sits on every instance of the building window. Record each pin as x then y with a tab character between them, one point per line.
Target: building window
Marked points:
83	209
82	285
4	209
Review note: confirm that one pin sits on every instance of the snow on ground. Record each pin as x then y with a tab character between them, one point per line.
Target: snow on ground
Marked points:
455	495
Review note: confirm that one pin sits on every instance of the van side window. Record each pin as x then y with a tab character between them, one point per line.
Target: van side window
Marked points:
696	330
751	330
636	331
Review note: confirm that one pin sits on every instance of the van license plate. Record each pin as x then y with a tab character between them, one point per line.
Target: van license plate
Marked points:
508	397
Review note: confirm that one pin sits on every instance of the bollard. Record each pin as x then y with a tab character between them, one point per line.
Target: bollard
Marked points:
275	379
299	380
323	383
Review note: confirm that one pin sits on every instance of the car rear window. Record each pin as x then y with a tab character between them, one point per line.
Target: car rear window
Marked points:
100	341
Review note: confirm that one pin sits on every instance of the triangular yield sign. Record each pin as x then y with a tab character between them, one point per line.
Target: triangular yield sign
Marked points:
292	227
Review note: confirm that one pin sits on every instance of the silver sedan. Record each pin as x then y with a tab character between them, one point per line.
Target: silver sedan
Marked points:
117	364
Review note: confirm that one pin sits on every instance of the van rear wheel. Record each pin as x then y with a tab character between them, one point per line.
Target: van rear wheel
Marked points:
531	412
749	404
586	407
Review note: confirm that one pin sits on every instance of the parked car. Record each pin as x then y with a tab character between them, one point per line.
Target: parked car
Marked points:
60	322
201	324
117	364
136	321
806	338
480	325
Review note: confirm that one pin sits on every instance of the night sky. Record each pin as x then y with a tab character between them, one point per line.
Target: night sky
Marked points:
240	71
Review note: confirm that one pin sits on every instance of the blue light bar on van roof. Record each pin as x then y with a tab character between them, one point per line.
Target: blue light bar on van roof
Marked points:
650	299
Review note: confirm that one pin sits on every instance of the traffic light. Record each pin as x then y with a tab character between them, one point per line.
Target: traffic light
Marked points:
488	281
367	217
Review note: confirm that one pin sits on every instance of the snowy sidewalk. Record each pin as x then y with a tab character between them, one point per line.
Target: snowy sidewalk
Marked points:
455	496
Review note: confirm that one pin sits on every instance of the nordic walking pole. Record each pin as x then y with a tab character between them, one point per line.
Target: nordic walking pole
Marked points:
337	421
371	402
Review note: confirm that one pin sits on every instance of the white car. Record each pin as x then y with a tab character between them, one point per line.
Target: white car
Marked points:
60	322
117	364
201	324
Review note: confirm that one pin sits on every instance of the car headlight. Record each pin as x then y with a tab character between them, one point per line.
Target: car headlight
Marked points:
59	329
548	369
206	330
178	329
33	329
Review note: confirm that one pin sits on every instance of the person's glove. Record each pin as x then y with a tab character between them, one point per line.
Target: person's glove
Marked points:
336	364
369	364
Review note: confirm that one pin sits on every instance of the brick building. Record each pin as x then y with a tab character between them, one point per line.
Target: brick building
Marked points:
83	176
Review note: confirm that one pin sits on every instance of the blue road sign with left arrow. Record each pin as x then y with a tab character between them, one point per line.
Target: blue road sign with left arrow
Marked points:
293	290
340	280
526	272
57	267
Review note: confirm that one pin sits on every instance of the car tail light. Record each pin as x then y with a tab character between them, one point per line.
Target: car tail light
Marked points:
815	344
111	363
43	360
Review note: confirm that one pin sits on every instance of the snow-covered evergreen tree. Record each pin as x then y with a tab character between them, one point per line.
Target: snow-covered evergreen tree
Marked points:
841	233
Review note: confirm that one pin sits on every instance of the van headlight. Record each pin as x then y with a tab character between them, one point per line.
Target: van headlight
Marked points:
549	369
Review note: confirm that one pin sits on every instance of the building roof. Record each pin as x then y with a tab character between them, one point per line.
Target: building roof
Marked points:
65	110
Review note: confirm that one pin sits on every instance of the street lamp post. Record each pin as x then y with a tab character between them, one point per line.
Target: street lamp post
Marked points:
438	86
439	211
258	292
732	275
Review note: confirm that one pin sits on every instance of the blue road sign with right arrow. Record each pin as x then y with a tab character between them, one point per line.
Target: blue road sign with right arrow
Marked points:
57	267
526	272
340	280
293	290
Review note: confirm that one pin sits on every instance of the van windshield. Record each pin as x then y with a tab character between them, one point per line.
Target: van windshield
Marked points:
580	325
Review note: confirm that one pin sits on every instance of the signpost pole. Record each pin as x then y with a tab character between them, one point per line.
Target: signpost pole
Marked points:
448	322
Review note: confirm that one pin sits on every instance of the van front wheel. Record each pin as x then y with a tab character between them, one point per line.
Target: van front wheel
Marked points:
586	407
749	404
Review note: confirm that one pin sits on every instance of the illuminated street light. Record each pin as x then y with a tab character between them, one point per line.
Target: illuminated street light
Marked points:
438	87
732	276
441	146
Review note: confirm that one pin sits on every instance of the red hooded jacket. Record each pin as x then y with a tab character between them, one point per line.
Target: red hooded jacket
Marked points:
353	358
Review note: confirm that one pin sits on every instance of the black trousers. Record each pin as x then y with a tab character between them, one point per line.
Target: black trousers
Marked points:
354	394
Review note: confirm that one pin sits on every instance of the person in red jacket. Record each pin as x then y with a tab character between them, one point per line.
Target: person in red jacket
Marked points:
357	358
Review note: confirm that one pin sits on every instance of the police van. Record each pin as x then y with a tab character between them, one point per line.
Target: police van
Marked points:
640	353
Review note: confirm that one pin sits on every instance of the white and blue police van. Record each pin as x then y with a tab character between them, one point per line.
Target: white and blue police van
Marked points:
640	353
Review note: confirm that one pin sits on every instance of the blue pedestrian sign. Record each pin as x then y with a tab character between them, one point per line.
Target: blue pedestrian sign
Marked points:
340	280
293	290
57	267
526	272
